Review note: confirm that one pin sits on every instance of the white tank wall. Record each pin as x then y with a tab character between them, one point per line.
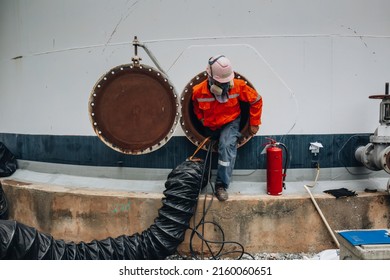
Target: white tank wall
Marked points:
315	62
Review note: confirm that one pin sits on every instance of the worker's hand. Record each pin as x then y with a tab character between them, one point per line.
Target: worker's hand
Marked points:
253	129
213	134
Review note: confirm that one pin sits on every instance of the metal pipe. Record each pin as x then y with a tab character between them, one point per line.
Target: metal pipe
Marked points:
136	44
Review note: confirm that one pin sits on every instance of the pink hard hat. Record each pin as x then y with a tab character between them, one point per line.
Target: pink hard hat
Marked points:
220	69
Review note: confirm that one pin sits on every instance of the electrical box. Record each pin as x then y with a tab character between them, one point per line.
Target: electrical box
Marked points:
364	244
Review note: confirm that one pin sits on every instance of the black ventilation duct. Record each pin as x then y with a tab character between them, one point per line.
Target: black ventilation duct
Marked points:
160	240
3	205
8	163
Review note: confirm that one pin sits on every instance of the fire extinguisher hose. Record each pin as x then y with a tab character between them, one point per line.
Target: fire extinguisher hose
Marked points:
286	162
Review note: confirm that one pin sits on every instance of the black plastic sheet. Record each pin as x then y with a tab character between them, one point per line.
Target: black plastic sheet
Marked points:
3	204
8	163
160	240
342	192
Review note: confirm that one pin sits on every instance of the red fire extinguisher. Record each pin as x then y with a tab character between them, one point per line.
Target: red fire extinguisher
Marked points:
275	173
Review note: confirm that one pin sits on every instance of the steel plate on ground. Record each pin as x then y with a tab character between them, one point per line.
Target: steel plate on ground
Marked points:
134	109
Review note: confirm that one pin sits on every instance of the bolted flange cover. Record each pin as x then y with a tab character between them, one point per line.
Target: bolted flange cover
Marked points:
133	109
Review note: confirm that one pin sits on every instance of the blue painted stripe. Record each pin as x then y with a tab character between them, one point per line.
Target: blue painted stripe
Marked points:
338	151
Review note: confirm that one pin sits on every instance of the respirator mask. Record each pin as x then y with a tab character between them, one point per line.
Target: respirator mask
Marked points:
220	90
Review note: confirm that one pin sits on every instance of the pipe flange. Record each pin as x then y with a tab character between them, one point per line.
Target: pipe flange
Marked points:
380	139
134	109
388	186
385	159
366	155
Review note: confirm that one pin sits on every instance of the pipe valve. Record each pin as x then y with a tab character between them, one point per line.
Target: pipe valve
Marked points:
376	154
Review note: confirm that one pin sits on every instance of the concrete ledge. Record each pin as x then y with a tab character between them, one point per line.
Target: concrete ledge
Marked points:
261	223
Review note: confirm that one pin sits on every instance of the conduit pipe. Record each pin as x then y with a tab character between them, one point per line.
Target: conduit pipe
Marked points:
319	209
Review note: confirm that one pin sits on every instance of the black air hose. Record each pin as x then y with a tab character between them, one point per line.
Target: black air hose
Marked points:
3	205
160	240
8	163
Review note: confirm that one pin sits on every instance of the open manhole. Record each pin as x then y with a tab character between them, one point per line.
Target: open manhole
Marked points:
133	109
192	126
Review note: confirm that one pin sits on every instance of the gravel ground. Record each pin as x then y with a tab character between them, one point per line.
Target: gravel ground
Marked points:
281	256
264	256
330	254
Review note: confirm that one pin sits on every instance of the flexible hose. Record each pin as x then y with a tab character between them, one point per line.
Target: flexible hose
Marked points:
183	186
3	204
286	162
198	229
319	209
160	240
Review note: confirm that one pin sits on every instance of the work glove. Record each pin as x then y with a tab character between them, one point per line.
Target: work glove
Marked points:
213	134
253	129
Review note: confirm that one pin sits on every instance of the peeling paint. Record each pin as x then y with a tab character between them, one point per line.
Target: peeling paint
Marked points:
121	207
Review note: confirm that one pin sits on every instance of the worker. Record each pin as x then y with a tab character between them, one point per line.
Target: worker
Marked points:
216	103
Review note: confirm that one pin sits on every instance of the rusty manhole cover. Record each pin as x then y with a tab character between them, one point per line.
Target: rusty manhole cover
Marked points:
134	109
